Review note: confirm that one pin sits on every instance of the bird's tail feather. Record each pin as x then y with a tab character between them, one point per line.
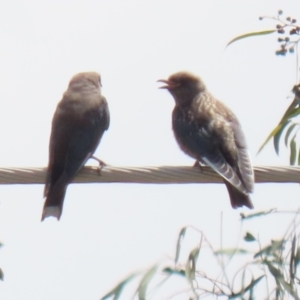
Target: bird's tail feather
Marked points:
237	198
54	202
51	211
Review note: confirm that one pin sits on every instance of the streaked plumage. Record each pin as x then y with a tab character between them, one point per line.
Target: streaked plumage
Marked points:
208	131
80	119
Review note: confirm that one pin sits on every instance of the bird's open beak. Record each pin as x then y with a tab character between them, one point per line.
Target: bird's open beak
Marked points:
168	84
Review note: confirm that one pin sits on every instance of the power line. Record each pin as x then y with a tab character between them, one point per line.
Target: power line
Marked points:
152	175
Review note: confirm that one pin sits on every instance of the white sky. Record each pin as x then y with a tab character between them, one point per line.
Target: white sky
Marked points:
110	230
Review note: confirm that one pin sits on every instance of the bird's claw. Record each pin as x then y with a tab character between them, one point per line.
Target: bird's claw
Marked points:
102	164
198	165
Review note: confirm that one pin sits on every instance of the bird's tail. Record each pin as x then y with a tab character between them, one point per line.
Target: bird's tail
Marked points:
238	198
54	201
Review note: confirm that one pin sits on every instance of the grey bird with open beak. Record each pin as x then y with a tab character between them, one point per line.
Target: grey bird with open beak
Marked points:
208	131
80	119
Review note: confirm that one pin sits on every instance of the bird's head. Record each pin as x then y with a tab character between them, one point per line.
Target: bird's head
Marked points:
183	86
85	80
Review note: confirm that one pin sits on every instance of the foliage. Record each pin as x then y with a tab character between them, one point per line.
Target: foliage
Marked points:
1	272
289	37
271	270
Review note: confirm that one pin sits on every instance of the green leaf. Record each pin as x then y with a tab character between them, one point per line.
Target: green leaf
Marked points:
257	214
179	242
231	251
253	283
293	150
297	257
273	133
292	109
249	237
247	288
243	36
279	277
142	289
293	265
294	113
273	270
171	271
271	249
116	292
289	131
278	135
190	268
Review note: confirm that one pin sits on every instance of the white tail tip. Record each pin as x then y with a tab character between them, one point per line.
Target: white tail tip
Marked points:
51	211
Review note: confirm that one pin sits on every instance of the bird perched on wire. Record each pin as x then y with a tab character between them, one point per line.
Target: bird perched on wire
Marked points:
80	119
208	131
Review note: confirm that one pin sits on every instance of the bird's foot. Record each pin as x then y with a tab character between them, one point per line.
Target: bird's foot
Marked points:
102	164
199	166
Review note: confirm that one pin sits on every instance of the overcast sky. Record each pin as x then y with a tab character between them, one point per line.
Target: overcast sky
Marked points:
109	230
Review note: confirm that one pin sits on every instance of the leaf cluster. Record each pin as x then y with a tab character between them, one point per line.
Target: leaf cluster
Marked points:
289	37
272	268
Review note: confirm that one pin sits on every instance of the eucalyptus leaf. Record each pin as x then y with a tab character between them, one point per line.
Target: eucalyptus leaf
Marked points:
277	136
293	151
143	286
289	131
116	291
251	34
179	242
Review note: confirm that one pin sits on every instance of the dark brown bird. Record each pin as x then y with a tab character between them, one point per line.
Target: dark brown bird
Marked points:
208	131
80	119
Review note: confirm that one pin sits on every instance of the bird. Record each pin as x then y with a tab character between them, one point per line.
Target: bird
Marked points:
208	131
78	124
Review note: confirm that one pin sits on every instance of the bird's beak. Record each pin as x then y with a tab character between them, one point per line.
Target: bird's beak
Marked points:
168	84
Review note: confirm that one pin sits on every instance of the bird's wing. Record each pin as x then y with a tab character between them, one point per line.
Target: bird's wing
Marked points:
104	113
233	146
217	162
73	141
244	163
198	140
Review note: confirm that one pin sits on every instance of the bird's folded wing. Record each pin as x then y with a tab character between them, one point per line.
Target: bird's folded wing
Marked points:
217	162
246	169
244	162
